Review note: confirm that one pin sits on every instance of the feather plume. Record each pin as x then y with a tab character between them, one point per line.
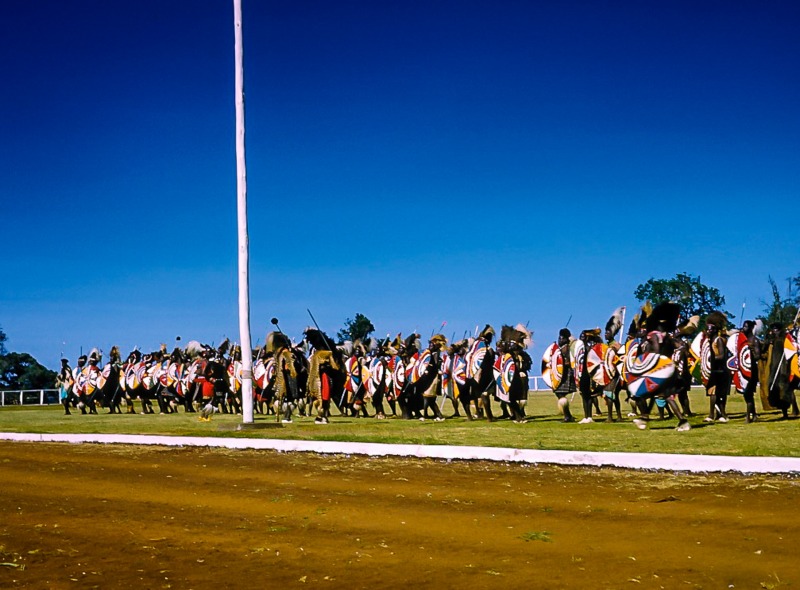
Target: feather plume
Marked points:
193	349
664	314
614	323
526	335
222	349
689	327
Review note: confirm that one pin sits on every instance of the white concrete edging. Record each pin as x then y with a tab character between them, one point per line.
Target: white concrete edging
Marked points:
652	461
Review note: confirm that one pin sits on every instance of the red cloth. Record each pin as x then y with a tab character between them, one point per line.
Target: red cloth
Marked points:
326	387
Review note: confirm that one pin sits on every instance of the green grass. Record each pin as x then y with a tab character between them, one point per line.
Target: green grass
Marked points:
767	437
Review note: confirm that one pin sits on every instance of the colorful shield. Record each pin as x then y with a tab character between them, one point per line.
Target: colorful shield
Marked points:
504	371
740	362
91	375
790	347
595	364
446	370
421	365
133	375
375	381
475	357
611	361
398	375
235	376
577	350
353	369
459	370
646	374
553	366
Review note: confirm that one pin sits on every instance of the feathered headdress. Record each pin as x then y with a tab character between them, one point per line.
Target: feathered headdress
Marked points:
222	349
194	349
113	355
614	323
319	339
412	342
519	334
718	319
487	333
665	314
591	335
438	341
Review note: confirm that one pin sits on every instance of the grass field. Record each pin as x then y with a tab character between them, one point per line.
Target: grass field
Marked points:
767	437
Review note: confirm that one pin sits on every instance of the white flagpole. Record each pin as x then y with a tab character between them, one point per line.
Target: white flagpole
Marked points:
244	246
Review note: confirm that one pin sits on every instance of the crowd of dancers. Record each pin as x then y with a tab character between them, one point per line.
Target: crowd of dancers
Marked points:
654	365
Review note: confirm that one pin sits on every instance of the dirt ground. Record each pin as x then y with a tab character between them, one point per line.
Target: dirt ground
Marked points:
93	516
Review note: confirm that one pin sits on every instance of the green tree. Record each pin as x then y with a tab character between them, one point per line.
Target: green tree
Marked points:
694	297
359	328
19	370
782	310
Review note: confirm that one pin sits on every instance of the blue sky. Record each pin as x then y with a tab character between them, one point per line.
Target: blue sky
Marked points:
468	162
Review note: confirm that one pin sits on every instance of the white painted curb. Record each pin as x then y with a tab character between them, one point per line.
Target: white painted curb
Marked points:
655	461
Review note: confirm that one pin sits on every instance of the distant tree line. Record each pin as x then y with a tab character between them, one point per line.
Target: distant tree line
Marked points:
19	370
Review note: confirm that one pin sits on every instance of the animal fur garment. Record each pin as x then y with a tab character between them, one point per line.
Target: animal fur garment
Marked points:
689	327
276	340
284	363
318	359
438	342
718	319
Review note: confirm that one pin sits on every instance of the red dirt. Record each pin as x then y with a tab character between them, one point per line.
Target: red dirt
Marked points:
92	516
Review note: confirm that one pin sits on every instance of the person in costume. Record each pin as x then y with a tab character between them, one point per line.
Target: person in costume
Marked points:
480	380
715	354
429	381
649	368
215	385
410	403
612	363
681	339
567	385
587	386
64	383
326	374
754	344
79	383
780	382
511	369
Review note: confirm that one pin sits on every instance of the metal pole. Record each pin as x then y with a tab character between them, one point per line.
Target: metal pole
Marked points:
244	247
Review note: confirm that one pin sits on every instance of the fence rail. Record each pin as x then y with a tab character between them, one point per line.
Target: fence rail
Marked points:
47	397
29	397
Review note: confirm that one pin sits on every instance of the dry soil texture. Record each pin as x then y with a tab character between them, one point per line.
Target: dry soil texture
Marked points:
94	516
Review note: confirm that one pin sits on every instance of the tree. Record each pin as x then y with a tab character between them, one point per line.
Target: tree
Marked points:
3	339
689	292
359	328
782	310
19	370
